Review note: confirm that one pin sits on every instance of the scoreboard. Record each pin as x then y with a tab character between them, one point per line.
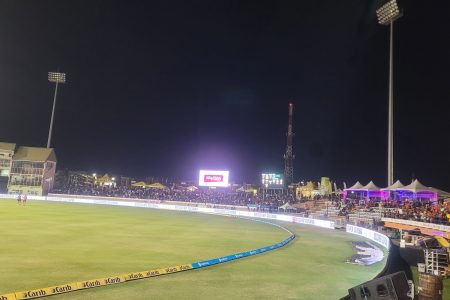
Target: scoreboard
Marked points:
272	180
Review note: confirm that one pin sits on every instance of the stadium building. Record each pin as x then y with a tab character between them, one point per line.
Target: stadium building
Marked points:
27	170
6	157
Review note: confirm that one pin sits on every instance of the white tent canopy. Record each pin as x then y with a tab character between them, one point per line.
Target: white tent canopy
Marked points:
287	206
416	187
357	186
192	188
370	187
397	185
441	194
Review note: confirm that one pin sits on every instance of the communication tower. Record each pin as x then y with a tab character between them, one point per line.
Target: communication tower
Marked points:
289	155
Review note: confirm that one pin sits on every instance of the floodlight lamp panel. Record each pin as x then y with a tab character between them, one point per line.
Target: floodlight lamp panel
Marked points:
57	77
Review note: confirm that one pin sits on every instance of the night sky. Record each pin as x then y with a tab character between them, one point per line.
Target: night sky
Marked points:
165	88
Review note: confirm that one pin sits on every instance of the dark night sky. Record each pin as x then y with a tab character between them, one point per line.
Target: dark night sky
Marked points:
164	88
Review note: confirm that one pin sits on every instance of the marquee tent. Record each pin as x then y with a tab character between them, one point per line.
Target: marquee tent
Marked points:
397	185
390	192
356	187
287	206
417	191
441	194
370	187
360	190
192	188
157	185
367	192
139	184
105	180
372	191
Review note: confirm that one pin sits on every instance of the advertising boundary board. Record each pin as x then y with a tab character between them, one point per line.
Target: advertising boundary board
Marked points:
92	283
145	204
375	236
439	227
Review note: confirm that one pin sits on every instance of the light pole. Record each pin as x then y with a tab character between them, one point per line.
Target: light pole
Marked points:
55	77
386	15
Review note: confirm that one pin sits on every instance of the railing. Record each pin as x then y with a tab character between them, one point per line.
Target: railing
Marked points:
438	227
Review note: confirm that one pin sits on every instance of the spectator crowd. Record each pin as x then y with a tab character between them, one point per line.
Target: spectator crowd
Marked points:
420	211
408	210
259	201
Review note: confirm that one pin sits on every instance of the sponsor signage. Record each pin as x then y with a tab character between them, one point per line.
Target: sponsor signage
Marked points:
213	178
54	290
369	234
418	224
242	213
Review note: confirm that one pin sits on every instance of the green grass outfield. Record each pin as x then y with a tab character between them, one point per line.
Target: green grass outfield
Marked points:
45	243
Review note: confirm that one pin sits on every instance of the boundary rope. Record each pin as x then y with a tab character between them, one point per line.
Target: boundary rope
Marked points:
92	283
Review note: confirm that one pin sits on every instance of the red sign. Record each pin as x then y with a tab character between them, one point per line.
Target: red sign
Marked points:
213	178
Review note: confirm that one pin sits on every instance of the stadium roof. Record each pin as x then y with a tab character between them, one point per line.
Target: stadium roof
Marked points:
8	146
35	154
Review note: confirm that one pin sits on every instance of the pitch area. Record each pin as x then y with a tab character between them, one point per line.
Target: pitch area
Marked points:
45	244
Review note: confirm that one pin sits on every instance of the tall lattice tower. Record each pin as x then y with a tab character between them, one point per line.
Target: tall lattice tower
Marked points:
289	155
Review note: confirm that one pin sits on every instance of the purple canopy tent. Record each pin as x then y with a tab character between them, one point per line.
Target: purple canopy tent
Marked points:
367	192
416	191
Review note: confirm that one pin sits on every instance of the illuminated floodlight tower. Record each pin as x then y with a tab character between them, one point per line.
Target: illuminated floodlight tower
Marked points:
387	14
57	78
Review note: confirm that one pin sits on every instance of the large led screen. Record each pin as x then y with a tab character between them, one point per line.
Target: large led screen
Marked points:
213	178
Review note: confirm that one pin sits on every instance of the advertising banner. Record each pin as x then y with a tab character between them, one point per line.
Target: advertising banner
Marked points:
370	234
8	297
418	224
54	290
213	178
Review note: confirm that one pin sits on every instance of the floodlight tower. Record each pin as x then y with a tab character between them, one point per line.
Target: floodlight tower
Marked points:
55	77
387	14
289	155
